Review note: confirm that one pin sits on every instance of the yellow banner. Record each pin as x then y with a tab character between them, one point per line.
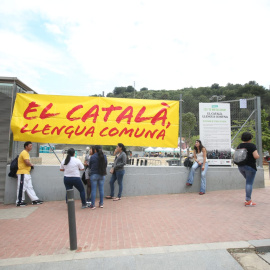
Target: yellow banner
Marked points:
95	120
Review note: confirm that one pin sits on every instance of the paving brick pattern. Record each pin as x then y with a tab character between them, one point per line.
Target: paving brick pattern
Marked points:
137	222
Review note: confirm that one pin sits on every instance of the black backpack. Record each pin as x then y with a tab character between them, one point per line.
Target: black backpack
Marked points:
188	163
240	156
14	167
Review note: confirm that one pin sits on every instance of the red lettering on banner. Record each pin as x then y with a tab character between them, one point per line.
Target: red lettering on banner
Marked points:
109	110
89	114
34	130
124	115
150	133
76	108
30	109
69	133
101	132
113	132
161	134
58	130
159	117
136	135
77	133
24	130
44	115
138	117
47	127
90	131
126	131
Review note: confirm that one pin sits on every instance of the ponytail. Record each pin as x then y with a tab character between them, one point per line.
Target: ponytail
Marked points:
101	159
70	153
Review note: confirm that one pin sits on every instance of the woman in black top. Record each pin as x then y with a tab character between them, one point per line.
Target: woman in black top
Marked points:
118	171
249	169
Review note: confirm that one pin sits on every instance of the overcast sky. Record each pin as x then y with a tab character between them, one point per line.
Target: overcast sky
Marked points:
86	47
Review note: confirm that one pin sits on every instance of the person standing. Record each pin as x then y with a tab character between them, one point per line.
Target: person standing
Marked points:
87	173
249	169
200	160
71	167
118	171
97	165
24	177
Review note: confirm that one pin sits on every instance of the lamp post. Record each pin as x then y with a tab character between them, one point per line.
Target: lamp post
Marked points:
217	97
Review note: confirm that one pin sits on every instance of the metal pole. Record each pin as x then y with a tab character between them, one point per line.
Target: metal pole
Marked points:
71	219
54	153
259	131
180	128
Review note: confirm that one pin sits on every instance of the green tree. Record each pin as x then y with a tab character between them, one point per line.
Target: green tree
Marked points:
188	125
265	131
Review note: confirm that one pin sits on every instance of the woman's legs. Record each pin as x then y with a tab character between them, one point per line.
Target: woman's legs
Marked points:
203	178
112	180
120	175
93	179
88	189
79	185
192	172
249	174
101	189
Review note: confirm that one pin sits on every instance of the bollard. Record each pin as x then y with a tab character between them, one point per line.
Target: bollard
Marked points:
71	219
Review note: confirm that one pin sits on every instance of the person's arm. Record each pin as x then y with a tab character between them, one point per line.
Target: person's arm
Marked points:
28	163
122	162
81	167
62	167
204	158
255	154
195	156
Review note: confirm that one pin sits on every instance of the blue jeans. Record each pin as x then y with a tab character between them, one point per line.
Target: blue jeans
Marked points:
203	175
97	179
77	183
249	174
117	175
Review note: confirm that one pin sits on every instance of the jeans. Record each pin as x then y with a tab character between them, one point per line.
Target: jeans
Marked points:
77	183
203	175
249	174
97	179
117	175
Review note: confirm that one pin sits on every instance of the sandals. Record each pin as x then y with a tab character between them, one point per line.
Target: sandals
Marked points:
109	197
116	199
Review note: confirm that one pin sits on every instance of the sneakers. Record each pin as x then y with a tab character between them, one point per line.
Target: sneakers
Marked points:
101	205
88	203
250	203
21	204
84	206
37	202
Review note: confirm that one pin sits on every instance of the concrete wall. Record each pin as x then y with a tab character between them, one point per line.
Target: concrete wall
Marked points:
138	181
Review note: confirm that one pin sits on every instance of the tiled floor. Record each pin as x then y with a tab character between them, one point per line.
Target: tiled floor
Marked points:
134	222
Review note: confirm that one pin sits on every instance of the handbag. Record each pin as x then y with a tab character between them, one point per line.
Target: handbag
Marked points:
188	163
83	178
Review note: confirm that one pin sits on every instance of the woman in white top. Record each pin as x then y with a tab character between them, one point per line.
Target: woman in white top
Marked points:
200	161
71	167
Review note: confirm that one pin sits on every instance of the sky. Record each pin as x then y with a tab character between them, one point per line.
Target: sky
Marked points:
87	47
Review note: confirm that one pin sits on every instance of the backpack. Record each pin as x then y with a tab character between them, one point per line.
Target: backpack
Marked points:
188	163
240	156
14	167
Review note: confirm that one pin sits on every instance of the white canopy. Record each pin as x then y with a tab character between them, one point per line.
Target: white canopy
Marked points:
149	149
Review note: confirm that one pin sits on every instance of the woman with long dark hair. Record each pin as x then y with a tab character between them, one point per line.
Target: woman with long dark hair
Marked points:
249	169
71	167
118	171
200	159
97	165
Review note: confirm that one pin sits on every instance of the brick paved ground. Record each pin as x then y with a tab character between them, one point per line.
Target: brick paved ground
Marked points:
134	222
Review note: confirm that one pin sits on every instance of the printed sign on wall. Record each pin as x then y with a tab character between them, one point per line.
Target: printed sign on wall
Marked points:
215	132
95	120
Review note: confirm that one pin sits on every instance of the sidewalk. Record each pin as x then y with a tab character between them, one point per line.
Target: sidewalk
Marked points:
136	223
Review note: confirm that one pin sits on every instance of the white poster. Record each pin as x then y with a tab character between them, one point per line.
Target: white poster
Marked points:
215	132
